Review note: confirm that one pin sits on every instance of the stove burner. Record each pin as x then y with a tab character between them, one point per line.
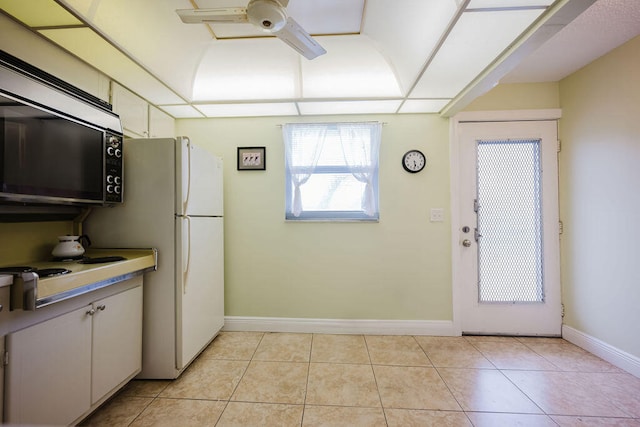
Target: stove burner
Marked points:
48	272
42	273
16	269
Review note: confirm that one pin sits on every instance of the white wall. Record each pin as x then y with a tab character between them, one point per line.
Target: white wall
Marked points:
600	200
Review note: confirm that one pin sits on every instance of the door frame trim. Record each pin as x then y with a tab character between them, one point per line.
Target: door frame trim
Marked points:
454	179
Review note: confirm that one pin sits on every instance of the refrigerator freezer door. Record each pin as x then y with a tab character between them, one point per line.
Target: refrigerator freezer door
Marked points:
199	193
199	284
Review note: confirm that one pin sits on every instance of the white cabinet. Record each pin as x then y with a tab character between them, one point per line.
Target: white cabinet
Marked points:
117	341
133	111
61	369
49	372
139	118
161	125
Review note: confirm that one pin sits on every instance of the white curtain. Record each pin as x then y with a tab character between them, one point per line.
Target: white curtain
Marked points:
305	158
361	147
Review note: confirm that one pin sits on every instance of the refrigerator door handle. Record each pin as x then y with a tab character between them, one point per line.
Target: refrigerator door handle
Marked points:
187	264
185	201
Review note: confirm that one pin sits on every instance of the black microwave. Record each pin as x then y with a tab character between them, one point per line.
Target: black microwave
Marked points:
56	148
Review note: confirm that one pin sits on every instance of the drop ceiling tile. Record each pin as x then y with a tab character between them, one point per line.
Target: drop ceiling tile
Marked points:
316	17
249	109
152	34
181	111
407	32
475	41
328	16
423	105
39	13
93	49
489	4
349	107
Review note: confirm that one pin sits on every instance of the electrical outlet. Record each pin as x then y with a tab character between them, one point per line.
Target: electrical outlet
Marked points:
437	215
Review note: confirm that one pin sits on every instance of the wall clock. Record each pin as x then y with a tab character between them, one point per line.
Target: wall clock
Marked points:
413	161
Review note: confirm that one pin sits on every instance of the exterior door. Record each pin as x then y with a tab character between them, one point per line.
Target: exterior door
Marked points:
509	228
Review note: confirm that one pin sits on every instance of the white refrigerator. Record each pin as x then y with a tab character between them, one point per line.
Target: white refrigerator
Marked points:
172	202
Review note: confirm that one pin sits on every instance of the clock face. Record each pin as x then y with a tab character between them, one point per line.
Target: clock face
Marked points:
413	161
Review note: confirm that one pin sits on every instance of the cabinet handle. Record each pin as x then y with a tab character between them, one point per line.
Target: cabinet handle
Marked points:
91	312
101	307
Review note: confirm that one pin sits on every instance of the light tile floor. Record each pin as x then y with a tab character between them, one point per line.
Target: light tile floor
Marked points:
281	379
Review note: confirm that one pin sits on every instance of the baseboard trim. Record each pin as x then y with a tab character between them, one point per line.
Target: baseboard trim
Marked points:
341	326
611	354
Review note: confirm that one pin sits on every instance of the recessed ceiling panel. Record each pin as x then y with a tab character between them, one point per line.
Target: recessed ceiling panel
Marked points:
475	41
94	50
316	17
39	13
352	68
152	34
249	110
247	69
327	16
349	107
406	32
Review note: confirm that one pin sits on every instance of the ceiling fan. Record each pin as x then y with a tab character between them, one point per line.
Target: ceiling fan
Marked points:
268	15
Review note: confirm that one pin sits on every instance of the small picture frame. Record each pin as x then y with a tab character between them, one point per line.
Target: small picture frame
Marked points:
252	158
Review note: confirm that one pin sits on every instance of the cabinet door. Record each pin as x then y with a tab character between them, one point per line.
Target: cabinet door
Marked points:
117	341
161	125
48	377
133	111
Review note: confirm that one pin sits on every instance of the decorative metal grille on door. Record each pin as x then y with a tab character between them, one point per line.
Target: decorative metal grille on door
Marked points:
509	215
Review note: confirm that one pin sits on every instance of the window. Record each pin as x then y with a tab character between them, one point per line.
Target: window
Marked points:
332	171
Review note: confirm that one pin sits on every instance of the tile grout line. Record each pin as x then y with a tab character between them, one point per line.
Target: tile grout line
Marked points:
306	388
239	381
143	409
375	379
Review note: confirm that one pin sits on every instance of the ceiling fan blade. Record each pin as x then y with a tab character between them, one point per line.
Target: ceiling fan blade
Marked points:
221	14
296	37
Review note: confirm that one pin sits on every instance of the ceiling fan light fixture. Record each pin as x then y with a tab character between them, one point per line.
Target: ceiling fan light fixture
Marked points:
267	15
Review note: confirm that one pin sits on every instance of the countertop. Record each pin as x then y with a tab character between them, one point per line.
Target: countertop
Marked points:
85	278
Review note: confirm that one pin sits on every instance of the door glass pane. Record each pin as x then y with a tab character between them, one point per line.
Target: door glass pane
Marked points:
509	221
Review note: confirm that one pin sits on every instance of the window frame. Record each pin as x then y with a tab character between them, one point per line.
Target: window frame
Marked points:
330	215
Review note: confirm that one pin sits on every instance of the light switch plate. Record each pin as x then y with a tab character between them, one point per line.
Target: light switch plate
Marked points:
437	215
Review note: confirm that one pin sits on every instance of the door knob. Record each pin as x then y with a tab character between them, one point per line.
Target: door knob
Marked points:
466	243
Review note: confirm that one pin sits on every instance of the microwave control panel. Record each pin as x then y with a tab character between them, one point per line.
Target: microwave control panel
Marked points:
113	168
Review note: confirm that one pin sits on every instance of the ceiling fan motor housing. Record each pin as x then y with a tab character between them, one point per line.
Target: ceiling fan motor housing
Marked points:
267	14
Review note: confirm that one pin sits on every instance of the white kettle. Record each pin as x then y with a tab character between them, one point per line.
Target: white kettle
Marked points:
68	247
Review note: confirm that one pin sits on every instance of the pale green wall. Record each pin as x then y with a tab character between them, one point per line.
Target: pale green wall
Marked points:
21	243
398	268
600	200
